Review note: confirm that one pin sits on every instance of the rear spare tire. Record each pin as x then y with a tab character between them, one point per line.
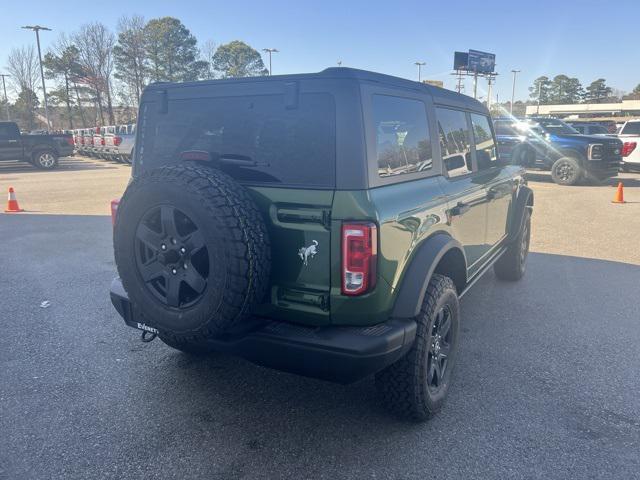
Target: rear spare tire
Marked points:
192	251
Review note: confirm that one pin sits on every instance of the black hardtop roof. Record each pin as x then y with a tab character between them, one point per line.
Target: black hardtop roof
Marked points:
440	95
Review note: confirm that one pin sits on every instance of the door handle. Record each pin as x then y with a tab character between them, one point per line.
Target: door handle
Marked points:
459	209
13	141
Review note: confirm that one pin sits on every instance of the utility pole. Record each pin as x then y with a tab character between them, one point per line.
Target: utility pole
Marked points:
6	100
270	51
539	93
489	91
513	90
420	65
37	28
475	84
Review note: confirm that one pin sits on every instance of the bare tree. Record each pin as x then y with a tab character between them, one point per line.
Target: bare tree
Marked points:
95	47
207	51
130	54
23	66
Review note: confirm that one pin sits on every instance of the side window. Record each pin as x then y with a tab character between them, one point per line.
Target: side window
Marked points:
7	132
455	145
403	144
485	145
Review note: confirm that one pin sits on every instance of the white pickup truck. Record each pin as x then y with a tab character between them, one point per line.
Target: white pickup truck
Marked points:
630	136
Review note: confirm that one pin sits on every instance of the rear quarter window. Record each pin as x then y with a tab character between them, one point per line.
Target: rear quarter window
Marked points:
285	146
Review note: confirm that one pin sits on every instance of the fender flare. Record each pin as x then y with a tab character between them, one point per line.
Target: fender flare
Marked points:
523	200
419	272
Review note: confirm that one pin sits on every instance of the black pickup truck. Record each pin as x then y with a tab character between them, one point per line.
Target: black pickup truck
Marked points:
42	151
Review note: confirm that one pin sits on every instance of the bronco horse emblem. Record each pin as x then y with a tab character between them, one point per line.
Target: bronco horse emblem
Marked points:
305	253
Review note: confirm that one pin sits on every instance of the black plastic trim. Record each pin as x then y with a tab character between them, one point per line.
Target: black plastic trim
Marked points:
416	279
524	194
334	353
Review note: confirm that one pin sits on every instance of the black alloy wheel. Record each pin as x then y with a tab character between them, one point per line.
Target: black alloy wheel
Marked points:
171	256
439	349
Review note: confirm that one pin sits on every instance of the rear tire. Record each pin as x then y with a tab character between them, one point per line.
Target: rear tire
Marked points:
566	171
416	385
511	266
45	159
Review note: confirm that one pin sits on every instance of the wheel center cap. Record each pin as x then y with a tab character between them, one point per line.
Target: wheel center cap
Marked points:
169	257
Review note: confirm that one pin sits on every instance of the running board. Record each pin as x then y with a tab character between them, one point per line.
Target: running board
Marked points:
496	256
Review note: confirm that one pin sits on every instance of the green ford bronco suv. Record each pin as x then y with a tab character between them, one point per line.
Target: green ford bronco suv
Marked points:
324	224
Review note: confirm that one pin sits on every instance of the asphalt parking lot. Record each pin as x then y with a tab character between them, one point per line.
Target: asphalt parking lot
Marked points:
546	384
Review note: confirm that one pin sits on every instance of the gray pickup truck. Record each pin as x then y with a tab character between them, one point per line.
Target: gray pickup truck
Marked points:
42	151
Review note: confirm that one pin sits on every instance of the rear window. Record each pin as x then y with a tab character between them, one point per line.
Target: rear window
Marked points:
257	138
631	128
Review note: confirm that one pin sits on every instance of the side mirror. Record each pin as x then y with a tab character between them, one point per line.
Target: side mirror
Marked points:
454	162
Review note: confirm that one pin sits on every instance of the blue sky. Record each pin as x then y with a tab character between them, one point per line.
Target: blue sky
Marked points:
585	38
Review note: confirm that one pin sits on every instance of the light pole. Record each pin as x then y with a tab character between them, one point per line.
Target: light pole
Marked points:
37	28
420	65
513	90
6	100
270	51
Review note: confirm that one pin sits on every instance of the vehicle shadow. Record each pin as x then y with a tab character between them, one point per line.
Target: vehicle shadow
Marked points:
64	164
268	413
630	180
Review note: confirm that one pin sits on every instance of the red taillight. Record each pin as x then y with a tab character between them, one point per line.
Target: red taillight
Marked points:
102	141
627	148
114	211
117	140
359	257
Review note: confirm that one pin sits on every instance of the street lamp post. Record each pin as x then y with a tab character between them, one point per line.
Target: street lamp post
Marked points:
420	65
270	51
6	100
37	28
513	90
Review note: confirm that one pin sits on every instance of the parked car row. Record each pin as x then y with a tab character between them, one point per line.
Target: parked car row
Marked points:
114	142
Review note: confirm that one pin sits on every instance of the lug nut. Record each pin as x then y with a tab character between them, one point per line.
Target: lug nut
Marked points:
183	250
173	241
163	247
184	265
174	271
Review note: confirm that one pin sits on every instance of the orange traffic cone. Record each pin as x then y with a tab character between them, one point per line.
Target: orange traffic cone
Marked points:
12	203
619	197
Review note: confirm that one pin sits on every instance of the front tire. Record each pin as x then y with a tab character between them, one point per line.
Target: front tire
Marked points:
566	171
416	385
45	160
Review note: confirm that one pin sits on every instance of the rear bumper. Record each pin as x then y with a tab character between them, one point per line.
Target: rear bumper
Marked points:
337	354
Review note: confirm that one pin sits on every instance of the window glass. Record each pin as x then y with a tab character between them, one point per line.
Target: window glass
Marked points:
403	144
453	132
255	139
7	131
631	128
485	145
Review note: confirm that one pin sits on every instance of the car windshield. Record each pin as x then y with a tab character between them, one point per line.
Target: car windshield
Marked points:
553	125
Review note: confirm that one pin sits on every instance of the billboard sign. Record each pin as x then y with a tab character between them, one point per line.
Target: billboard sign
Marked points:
481	62
460	60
